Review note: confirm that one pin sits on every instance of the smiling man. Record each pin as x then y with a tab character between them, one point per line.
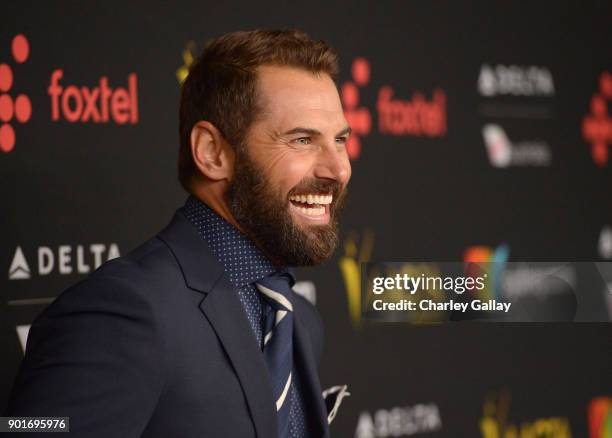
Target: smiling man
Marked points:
198	333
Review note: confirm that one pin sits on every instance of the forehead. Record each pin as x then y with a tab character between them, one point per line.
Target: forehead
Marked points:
291	96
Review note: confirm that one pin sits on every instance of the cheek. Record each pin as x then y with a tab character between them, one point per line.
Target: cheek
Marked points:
290	172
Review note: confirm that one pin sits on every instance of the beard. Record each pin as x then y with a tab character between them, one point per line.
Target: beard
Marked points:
263	213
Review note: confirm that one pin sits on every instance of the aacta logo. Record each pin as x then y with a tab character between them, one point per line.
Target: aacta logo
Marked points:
597	126
97	104
18	108
349	265
494	422
419	116
63	260
188	55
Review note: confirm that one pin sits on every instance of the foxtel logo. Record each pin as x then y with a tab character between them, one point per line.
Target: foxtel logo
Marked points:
503	153
97	104
64	260
417	117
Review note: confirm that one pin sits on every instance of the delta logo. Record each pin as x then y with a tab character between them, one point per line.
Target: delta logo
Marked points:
63	260
418	117
600	417
515	80
398	421
597	125
69	102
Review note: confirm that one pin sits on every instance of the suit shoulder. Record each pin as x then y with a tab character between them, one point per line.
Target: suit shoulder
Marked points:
102	330
128	279
149	258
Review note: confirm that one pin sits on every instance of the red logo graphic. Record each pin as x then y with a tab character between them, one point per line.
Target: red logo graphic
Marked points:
82	104
600	417
358	118
21	107
417	117
597	126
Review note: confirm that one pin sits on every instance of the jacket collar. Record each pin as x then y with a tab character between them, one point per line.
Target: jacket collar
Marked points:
200	267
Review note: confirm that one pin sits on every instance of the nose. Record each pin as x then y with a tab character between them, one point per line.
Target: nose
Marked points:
333	163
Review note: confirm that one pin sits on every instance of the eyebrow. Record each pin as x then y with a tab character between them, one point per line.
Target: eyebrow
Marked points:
314	132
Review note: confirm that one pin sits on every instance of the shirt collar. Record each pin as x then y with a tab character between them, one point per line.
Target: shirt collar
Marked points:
241	258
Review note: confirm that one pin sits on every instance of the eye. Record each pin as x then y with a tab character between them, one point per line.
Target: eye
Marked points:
342	140
302	140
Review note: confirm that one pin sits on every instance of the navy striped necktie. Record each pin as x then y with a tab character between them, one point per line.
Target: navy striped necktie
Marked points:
278	342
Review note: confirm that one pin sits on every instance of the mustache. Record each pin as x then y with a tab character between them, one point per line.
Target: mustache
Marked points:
316	185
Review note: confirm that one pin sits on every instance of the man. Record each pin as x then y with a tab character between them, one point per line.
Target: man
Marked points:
197	333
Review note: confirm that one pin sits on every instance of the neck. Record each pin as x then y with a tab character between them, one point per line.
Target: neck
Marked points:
216	202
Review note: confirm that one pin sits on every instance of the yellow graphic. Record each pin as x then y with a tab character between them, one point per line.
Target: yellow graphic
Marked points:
358	250
188	58
350	267
494	423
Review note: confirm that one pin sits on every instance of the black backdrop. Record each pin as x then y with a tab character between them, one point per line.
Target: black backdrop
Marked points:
429	189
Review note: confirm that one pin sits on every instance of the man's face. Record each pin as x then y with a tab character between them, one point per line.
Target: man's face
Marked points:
291	175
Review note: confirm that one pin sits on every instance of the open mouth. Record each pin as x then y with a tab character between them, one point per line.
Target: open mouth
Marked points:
312	204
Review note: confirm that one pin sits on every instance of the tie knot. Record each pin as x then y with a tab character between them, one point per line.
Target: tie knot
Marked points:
276	290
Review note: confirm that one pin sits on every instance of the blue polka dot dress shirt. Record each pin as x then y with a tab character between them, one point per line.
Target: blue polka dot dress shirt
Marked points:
245	264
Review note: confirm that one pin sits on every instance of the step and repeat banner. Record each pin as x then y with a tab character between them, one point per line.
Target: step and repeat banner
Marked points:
482	132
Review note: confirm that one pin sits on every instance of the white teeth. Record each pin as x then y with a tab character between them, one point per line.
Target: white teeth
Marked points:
312	211
312	199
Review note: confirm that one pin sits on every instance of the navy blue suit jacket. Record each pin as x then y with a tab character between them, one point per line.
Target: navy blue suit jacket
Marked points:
157	344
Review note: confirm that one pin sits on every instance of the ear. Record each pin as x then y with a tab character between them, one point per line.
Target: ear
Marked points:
211	153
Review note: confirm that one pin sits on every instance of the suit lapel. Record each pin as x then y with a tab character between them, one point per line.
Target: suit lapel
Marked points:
223	310
311	386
